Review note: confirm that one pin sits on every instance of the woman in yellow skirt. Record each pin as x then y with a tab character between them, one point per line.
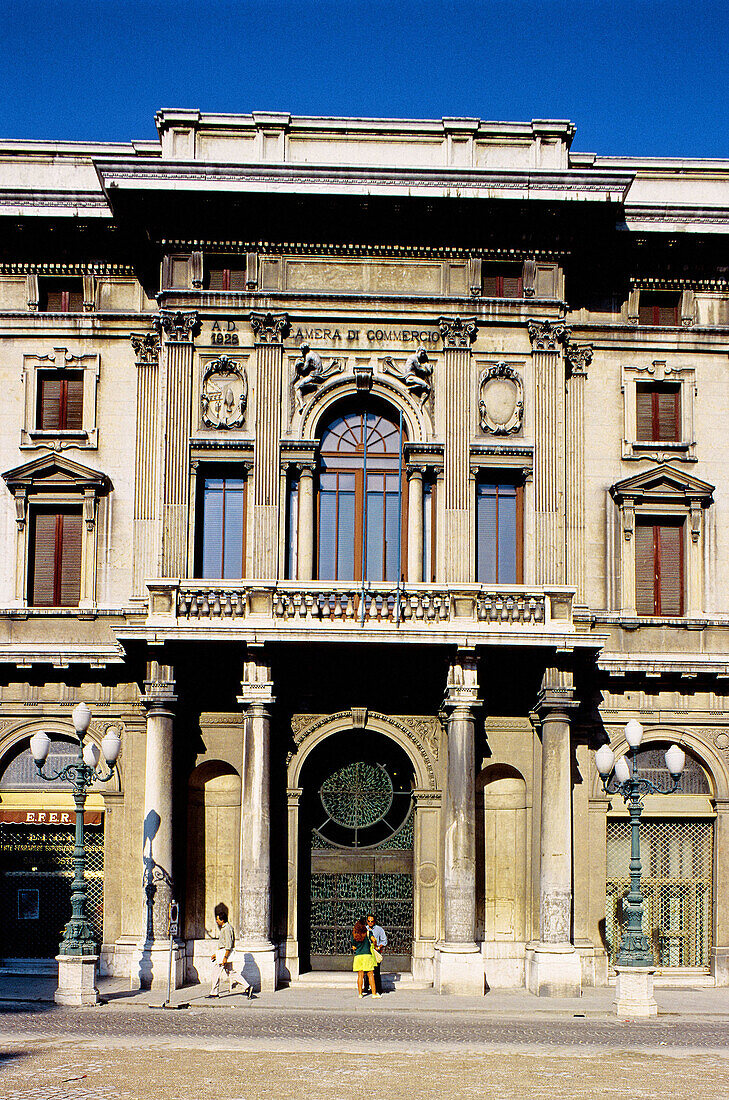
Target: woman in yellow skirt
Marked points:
364	962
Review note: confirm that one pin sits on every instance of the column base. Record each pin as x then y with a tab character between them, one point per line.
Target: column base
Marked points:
151	962
459	969
77	980
289	969
260	964
553	970
720	965
634	991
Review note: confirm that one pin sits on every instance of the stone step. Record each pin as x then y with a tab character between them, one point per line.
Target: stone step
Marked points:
42	968
336	979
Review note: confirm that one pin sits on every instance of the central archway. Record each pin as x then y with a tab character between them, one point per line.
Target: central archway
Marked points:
355	848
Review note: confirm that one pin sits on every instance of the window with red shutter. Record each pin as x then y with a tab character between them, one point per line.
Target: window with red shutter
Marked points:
659	568
226	273
502	281
659	308
55	557
658	413
60	401
61	295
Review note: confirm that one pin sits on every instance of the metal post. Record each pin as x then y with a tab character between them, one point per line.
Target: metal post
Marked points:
77	936
635	950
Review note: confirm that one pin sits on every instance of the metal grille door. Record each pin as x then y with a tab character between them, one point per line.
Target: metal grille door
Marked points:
677	885
338	900
36	871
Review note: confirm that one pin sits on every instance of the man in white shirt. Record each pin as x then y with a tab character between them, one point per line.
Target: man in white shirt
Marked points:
380	939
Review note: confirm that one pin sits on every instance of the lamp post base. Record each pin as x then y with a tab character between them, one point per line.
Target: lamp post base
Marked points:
77	980
634	992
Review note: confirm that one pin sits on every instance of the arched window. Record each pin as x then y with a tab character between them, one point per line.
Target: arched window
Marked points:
360	528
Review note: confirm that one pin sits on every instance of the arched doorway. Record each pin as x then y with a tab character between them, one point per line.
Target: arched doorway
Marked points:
677	854
360	528
355	848
37	831
213	846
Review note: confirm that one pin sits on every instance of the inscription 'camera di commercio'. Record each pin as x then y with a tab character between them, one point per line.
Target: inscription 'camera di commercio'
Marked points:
227	333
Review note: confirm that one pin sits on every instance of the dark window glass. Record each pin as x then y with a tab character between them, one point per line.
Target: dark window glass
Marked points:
658	413
61	295
223	527
498	533
55	558
60	401
659	568
360	522
659	308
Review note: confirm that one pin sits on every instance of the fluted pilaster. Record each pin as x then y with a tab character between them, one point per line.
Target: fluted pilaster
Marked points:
579	358
147	532
179	329
547	339
457	335
269	330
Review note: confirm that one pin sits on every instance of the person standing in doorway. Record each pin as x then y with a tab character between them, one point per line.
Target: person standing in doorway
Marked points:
363	962
379	939
226	943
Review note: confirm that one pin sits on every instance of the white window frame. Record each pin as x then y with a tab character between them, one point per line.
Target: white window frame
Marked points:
34	438
658	371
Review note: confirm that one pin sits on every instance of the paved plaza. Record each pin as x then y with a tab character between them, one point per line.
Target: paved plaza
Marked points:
324	1043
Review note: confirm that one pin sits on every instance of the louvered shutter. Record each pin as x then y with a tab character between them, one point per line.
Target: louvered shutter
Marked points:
666	418
491	286
667	315
670	566
74	403
645	314
54	301
49	403
68	572
75	301
645	603
512	286
43	558
643	413
238	277
215	278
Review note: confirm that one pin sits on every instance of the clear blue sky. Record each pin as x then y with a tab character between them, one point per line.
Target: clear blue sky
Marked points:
641	78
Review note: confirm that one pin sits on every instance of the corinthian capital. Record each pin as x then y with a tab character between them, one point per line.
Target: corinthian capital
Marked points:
547	335
177	325
270	328
457	332
579	357
146	347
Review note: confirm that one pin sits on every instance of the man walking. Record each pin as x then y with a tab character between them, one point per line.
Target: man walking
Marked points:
378	935
226	943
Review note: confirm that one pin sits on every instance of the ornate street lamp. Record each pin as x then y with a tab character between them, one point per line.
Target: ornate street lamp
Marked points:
78	941
620	777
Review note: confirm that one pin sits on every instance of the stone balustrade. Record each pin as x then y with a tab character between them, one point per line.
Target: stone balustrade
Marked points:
326	606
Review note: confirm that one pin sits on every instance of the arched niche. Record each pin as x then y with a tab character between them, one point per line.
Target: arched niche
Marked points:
417	423
501	846
213	846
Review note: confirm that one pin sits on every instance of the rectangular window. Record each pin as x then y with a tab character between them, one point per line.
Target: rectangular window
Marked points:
659	308
60	401
226	273
429	529
659	568
502	281
658	413
292	530
61	295
223	507
55	557
498	533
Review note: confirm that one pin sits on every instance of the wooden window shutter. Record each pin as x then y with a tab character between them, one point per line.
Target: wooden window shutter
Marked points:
512	286
75	301
666	415
669	547
49	403
69	565
643	413
74	403
43	559
215	278
238	277
645	603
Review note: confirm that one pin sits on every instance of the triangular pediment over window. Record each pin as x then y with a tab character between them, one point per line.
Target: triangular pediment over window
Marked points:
55	472
665	484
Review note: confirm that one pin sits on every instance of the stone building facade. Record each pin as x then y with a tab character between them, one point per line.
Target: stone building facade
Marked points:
367	475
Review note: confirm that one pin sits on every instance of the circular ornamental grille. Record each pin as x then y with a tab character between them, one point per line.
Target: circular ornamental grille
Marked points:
357	795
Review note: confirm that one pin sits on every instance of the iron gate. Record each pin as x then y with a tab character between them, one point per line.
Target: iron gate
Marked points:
36	871
677	858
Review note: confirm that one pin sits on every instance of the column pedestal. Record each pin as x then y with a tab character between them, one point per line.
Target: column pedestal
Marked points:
553	970
258	963
459	969
634	992
77	980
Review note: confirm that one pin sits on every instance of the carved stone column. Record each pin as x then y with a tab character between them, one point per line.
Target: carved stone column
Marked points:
147	530
151	964
305	549
269	330
415	524
291	963
179	330
458	335
547	338
256	698
553	967
459	965
579	358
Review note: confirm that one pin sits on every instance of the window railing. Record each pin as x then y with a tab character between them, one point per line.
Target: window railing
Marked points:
338	605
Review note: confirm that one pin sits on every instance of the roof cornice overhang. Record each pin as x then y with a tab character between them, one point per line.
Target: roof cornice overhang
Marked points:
30	202
135	175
